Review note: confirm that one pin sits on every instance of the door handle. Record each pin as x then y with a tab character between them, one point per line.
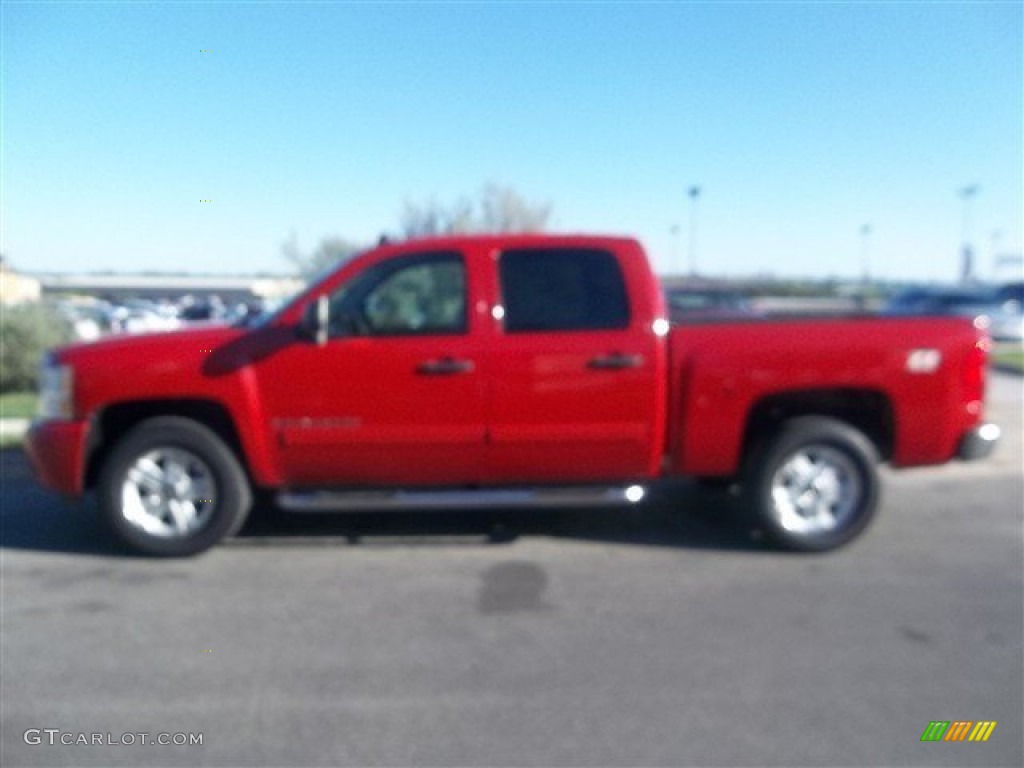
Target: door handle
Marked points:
445	366
615	361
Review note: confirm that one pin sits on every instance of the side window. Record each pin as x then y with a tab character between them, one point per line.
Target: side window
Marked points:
562	289
415	295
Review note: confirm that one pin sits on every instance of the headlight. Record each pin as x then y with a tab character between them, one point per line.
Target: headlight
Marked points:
55	390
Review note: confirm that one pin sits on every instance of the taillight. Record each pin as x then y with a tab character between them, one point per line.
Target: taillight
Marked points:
974	376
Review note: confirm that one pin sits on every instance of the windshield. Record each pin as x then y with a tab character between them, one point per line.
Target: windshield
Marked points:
287	303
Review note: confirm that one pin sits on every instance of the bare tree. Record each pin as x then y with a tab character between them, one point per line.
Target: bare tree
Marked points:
431	218
497	209
502	209
330	253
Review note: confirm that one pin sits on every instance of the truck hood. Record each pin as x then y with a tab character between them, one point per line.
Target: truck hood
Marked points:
185	345
172	365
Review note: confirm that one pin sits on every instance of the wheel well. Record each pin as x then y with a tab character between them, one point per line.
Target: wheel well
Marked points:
114	421
868	411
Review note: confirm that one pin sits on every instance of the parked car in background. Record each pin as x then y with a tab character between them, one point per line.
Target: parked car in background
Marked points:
961	302
1009	324
1011	292
88	320
995	310
143	316
93	318
244	313
707	303
203	310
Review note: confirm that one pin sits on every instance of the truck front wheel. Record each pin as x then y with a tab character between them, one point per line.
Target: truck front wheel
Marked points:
815	486
172	488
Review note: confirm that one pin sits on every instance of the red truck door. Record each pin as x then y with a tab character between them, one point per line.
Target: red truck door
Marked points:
395	396
575	370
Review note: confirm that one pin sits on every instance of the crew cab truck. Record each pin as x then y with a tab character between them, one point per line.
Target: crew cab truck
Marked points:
502	370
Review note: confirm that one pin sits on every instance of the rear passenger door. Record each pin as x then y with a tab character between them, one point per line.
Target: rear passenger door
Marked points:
572	393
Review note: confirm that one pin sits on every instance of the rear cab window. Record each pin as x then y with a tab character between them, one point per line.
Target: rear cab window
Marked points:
560	289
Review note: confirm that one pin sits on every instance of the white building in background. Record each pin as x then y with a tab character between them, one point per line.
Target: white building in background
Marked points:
16	288
123	286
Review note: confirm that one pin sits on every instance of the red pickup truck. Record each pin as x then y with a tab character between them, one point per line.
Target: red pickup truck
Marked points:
505	370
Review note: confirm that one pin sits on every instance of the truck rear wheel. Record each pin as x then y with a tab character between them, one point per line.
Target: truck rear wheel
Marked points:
815	486
172	488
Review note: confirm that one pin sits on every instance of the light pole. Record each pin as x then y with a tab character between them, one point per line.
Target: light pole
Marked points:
865	263
694	193
997	237
967	194
674	232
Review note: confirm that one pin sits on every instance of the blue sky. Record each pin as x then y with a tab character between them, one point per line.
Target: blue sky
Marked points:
800	123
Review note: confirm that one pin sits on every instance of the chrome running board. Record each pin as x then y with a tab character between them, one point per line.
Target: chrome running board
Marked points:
344	501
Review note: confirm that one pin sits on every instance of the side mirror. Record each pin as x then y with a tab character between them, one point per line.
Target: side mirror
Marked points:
313	325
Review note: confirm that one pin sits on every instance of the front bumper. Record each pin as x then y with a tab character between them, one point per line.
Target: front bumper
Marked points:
56	451
979	442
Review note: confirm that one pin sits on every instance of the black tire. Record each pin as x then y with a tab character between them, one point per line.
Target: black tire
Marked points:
825	474
136	513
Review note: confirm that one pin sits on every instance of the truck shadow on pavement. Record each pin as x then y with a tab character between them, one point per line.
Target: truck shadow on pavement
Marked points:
35	520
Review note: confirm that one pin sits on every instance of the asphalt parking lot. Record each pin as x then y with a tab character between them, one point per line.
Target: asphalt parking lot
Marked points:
664	635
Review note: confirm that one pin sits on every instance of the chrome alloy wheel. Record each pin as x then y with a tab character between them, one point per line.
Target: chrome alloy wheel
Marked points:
168	493
817	489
